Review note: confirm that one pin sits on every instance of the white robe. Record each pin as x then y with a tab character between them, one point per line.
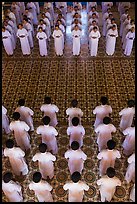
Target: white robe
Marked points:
74	112
76	190
122	19
111	41
12	191
46	166
12	17
91	4
22	34
76	41
11	30
41	36
127	115
129	142
129	43
107	187
50	110
37	7
107	158
33	11
76	133
42	191
104	22
5	120
101	112
130	173
16	12
22	137
76	160
17	160
51	10
94	42
132	193
126	27
48	134
29	28
58	39
22	7
104	134
106	5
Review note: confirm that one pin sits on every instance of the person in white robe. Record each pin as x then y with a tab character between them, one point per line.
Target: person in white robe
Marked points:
132	193
48	134
7	43
107	185
62	28
12	16
75	10
42	37
104	133
76	188
93	17
127	115
49	7
16	10
16	158
62	6
94	38
93	24
76	132
29	28
20	129
11	189
32	8
76	35
22	7
129	41
11	30
108	157
25	113
126	27
48	25
50	110
130	173
104	20
102	111
41	188
110	24
30	17
22	34
5	121
37	7
13	25
122	19
111	36
48	15
61	18
78	17
78	4
106	5
122	6
76	158
93	10
74	23
90	5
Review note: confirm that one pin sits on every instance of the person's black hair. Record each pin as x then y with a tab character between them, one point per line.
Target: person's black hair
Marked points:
25	19
132	21
74	145
126	10
111	144
16	115
21	102
46	120
95	27
75	121
106	120
93	14
93	7
7	177
3	27
113	26
9	143
74	103
42	147
94	21
37	177
131	103
41	20
104	100
76	176
47	99
112	19
76	7
40	28
110	172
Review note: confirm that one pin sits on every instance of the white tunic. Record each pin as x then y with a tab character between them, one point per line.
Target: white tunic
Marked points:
11	30
45	161
42	191
76	41
26	116
76	190
122	19
101	112
29	28
76	160
94	37
48	134
105	16
58	39
107	187
127	115
17	12
107	158
12	17
104	134
132	193
33	11
37	7
41	36
17	160
5	120
111	41
129	142
12	191
22	34
130	173
22	137
74	112
129	43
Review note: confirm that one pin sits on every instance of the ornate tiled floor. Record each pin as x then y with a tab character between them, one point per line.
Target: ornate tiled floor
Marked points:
65	78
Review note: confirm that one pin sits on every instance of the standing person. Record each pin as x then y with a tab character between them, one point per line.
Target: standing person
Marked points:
108	157
102	111
130	173
111	36
45	161
22	34
41	188
16	158
11	189
76	188
129	41
76	34
16	10
20	129
29	28
104	21
107	185
32	8
5	121
30	17
48	134
11	16
50	110
103	132
76	132
62	28
122	19
94	37
25	113
76	158
127	115
58	39
42	37
7	41
37	7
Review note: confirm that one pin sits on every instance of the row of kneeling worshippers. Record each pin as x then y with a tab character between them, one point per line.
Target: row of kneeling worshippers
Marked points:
26	22
23	122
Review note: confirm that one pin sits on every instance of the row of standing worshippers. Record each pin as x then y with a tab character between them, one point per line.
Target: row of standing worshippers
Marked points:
76	157
25	31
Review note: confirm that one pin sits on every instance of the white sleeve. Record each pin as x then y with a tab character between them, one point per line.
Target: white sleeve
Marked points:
11	126
100	156
99	182
66	186
53	158
48	186
38	130
30	111
4	110
67	154
68	130
118	155
95	111
55	131
35	158
84	156
85	187
131	158
26	127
